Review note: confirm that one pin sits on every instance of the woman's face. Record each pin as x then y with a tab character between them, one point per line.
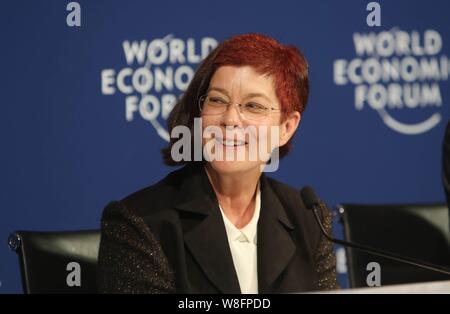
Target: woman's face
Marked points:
240	129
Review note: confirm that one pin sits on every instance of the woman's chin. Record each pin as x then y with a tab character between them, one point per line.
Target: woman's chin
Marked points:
232	167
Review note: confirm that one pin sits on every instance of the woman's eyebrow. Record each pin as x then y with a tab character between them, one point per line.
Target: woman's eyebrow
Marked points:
221	90
249	95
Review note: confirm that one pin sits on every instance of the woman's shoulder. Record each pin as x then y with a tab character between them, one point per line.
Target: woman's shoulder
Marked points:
296	209
287	194
162	194
149	200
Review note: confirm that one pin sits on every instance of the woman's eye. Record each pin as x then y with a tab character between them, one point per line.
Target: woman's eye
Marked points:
217	100
254	106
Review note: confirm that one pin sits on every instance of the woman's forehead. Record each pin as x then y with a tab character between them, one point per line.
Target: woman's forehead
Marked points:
243	80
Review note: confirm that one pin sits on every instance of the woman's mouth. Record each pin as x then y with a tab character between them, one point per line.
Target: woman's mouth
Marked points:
230	143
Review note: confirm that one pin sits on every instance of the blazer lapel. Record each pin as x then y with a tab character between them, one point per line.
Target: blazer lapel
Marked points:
275	246
206	236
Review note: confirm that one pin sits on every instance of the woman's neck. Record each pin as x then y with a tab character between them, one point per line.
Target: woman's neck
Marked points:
236	194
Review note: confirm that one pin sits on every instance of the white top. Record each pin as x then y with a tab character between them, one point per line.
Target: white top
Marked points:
243	246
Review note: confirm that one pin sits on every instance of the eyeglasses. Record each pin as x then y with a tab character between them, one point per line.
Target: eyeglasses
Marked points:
217	105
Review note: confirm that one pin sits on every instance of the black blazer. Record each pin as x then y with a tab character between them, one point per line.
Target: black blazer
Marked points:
170	237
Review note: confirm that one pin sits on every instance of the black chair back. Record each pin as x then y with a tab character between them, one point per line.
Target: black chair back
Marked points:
45	259
416	231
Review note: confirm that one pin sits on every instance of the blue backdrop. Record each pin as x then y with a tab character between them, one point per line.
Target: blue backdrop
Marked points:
84	110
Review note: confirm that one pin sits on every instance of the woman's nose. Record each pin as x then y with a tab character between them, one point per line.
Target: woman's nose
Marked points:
232	116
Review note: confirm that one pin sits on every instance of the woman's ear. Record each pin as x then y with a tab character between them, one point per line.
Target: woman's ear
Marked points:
288	127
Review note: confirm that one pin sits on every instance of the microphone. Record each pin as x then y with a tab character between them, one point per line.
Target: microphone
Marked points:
312	202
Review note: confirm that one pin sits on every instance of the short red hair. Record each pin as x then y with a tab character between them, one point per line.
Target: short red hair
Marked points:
285	64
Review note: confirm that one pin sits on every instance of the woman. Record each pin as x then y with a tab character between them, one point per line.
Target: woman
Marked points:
220	225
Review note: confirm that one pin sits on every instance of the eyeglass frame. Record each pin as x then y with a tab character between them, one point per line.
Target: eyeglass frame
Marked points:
228	103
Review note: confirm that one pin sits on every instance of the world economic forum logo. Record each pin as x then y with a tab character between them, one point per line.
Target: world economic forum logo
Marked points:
399	75
156	73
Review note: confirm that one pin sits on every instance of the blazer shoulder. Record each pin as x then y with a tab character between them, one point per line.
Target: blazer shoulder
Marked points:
294	207
156	197
288	195
291	196
297	211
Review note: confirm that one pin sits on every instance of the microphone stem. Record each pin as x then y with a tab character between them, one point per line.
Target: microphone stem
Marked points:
377	252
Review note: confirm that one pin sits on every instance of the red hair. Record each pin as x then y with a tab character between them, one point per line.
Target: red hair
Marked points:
285	64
